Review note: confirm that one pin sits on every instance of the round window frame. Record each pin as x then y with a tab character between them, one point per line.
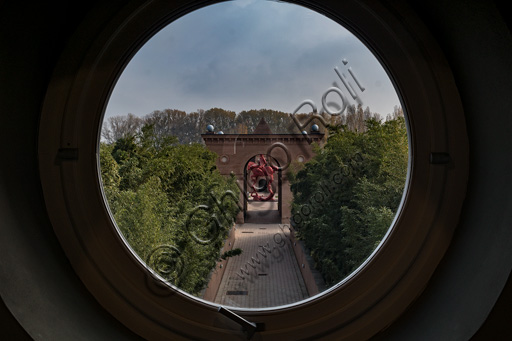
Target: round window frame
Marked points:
361	306
224	159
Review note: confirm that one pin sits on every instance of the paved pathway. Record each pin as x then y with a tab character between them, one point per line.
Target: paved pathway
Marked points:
266	274
262	212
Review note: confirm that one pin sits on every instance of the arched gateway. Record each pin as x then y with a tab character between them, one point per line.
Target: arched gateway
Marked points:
251	157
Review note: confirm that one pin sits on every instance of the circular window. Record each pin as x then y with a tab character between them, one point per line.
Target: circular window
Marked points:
299	230
387	279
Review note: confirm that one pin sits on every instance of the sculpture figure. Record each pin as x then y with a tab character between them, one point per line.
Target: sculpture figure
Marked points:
257	170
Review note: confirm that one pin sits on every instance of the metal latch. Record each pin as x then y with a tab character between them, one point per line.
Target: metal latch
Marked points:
249	327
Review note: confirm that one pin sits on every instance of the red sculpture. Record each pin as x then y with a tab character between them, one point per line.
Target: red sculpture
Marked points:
258	170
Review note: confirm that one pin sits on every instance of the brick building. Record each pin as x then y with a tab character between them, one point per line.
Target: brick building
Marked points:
235	151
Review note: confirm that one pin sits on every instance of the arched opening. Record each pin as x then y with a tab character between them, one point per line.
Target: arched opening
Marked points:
263	195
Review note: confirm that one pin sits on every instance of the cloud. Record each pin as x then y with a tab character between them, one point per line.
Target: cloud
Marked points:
245	55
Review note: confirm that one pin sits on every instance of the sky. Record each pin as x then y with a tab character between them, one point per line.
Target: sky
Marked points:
250	54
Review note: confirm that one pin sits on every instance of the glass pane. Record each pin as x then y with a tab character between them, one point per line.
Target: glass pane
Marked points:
254	154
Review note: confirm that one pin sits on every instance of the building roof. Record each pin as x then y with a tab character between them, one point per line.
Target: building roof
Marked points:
262	128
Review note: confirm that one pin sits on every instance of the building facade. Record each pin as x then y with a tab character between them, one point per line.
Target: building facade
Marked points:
236	151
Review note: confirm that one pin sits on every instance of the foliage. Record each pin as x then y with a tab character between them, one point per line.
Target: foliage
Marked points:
152	185
346	197
231	253
156	174
188	127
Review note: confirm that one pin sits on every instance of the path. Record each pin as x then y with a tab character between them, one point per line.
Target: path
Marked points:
262	212
266	274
